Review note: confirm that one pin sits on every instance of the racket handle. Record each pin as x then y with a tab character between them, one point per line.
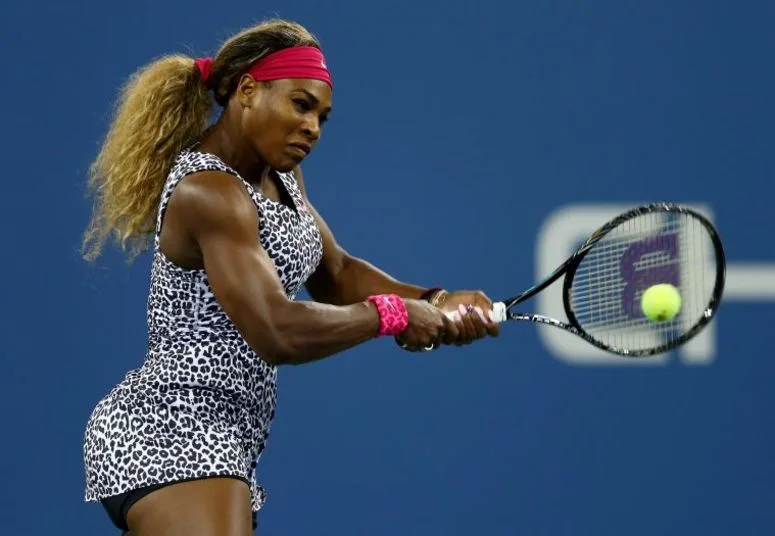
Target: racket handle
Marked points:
497	314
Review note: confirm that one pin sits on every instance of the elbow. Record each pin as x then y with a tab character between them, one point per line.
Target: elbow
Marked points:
270	336
274	349
281	354
288	342
295	343
291	348
280	342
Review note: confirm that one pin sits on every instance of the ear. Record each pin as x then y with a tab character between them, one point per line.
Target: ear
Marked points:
247	89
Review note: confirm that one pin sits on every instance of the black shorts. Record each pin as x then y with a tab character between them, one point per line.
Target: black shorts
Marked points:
117	506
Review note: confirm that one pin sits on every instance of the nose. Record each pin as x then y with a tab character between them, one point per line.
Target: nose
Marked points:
311	129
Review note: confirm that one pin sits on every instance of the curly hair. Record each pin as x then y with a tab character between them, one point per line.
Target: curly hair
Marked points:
162	109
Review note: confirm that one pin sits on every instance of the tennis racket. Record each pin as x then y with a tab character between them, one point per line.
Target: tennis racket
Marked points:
605	278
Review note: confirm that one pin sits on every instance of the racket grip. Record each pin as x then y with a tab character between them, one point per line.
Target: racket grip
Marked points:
497	314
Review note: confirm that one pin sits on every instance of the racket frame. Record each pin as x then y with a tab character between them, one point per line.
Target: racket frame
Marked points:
569	267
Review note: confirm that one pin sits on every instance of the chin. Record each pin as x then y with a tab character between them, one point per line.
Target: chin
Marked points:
286	165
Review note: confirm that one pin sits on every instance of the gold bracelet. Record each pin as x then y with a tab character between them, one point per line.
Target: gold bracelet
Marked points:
438	298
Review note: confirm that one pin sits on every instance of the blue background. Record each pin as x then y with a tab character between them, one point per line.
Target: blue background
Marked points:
457	129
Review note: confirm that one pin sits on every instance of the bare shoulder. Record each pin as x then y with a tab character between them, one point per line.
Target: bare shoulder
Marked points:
212	198
205	191
206	207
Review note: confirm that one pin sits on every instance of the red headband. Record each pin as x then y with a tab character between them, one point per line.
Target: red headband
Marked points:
293	62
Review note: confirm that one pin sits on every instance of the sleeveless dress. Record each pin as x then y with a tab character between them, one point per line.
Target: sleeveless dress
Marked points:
202	402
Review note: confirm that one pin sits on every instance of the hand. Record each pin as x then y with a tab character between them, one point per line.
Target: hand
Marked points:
428	327
470	310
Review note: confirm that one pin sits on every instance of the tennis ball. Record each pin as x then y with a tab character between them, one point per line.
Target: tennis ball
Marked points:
661	302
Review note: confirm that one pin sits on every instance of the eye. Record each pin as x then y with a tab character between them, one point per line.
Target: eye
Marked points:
302	105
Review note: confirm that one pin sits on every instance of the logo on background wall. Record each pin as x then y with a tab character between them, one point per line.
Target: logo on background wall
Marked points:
559	237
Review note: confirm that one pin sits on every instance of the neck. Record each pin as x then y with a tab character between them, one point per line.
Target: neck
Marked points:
225	141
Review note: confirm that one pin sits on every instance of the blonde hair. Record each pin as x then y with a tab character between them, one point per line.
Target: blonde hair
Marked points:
162	109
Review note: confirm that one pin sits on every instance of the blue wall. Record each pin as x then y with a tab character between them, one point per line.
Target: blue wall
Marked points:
464	128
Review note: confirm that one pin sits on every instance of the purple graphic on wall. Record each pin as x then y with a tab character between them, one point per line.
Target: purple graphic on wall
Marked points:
648	262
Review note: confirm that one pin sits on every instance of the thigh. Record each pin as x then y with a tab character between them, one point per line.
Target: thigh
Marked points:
217	506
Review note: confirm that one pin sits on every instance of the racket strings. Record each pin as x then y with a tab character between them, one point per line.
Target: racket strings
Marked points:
648	249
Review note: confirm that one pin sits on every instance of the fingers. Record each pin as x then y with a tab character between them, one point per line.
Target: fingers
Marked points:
429	331
475	328
482	301
451	331
414	346
493	329
483	321
457	327
471	324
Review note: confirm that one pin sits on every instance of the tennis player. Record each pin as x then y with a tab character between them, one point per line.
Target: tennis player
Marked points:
172	450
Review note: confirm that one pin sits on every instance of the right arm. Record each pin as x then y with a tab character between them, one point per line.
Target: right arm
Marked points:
219	217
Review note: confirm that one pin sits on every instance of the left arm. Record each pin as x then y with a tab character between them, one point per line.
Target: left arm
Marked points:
342	279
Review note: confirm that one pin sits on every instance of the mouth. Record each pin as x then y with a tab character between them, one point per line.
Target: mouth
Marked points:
302	148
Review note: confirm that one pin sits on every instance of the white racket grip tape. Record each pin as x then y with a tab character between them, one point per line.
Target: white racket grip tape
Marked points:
497	314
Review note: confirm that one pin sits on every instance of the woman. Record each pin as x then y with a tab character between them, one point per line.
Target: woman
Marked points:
173	448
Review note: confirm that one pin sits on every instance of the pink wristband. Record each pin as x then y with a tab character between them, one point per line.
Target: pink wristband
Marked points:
393	316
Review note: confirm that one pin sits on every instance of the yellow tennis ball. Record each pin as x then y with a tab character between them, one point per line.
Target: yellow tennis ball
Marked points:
661	302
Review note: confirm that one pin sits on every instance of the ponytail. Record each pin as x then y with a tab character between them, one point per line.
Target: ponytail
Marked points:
162	109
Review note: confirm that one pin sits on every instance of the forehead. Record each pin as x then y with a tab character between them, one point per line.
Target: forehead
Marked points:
316	88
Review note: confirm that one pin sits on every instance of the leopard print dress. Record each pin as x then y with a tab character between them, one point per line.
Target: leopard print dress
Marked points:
202	402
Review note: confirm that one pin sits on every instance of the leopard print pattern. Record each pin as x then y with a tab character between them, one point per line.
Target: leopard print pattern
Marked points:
202	402
393	316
